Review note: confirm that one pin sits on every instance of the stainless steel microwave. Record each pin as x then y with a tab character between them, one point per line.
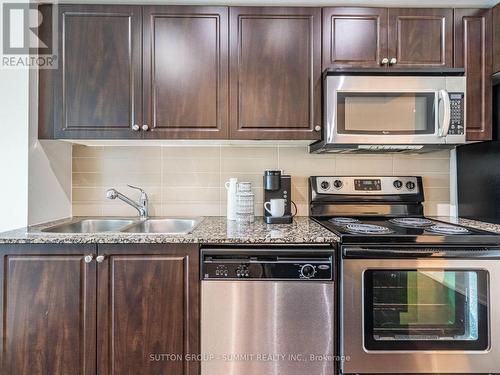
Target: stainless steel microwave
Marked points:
366	110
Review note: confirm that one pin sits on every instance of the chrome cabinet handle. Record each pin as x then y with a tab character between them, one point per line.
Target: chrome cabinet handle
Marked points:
145	127
384	61
393	61
136	127
88	258
317	128
100	258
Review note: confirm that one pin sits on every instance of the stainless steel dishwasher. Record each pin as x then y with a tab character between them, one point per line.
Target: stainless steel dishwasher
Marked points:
268	311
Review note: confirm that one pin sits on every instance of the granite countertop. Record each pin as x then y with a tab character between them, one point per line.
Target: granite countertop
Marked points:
212	230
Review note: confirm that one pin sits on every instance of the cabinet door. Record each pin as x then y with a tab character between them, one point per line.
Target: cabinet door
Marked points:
354	37
186	71
98	89
473	43
148	308
48	310
421	37
496	38
275	73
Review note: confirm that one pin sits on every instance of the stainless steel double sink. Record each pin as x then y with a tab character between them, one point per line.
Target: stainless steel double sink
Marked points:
177	226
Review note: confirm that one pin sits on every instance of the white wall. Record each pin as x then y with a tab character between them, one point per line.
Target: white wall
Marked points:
14	94
49	170
35	177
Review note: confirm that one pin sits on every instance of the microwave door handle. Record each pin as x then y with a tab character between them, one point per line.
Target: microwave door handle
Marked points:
444	127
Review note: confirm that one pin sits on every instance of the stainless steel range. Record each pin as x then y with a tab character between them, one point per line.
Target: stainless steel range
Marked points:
417	295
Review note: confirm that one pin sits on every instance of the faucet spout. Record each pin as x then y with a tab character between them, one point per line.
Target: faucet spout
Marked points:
141	206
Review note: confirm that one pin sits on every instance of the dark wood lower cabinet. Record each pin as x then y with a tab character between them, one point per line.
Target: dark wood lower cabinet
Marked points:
48	310
132	310
148	309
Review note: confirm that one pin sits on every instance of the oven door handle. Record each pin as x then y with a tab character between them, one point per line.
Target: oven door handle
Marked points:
444	127
413	253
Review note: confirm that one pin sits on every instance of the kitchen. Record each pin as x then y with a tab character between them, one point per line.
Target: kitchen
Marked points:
271	188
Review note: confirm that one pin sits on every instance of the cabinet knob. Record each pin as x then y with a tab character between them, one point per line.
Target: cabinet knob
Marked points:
88	258
136	127
145	127
384	61
100	258
393	61
317	128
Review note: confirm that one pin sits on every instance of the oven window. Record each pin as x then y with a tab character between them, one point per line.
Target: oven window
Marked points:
385	113
426	309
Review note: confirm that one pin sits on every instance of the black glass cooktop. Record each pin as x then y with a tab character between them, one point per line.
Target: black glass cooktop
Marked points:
404	230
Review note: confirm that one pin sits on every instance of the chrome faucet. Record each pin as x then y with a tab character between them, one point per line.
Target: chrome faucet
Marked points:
141	206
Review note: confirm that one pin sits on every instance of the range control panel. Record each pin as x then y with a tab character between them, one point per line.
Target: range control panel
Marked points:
222	267
457	114
342	185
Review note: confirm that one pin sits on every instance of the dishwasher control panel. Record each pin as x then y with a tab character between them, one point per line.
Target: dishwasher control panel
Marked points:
227	266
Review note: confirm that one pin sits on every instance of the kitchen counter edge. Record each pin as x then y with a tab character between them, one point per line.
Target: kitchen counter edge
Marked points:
212	230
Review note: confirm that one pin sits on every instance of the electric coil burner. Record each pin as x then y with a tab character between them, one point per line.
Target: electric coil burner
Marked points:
343	220
383	210
412	222
447	229
367	229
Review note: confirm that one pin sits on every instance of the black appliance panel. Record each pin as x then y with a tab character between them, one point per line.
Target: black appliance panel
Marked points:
478	177
274	267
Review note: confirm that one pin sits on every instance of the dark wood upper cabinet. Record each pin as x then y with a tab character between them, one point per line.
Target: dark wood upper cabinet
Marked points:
185	71
48	309
275	73
387	37
473	52
194	72
496	39
354	37
421	37
97	88
148	305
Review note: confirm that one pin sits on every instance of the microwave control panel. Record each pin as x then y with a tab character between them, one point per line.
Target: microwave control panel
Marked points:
457	114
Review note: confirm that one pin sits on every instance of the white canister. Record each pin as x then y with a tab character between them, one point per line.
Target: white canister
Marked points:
231	187
245	203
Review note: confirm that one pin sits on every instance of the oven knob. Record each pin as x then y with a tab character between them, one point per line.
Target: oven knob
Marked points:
307	271
410	185
325	185
398	184
337	183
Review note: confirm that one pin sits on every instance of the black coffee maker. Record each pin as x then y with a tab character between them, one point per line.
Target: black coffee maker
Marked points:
277	185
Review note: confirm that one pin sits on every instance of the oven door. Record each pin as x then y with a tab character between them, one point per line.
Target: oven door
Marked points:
420	316
391	109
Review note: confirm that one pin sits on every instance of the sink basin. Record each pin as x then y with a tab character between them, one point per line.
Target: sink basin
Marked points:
92	226
165	226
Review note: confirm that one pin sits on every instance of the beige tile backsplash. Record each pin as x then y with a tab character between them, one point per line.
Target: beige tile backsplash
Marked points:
190	180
